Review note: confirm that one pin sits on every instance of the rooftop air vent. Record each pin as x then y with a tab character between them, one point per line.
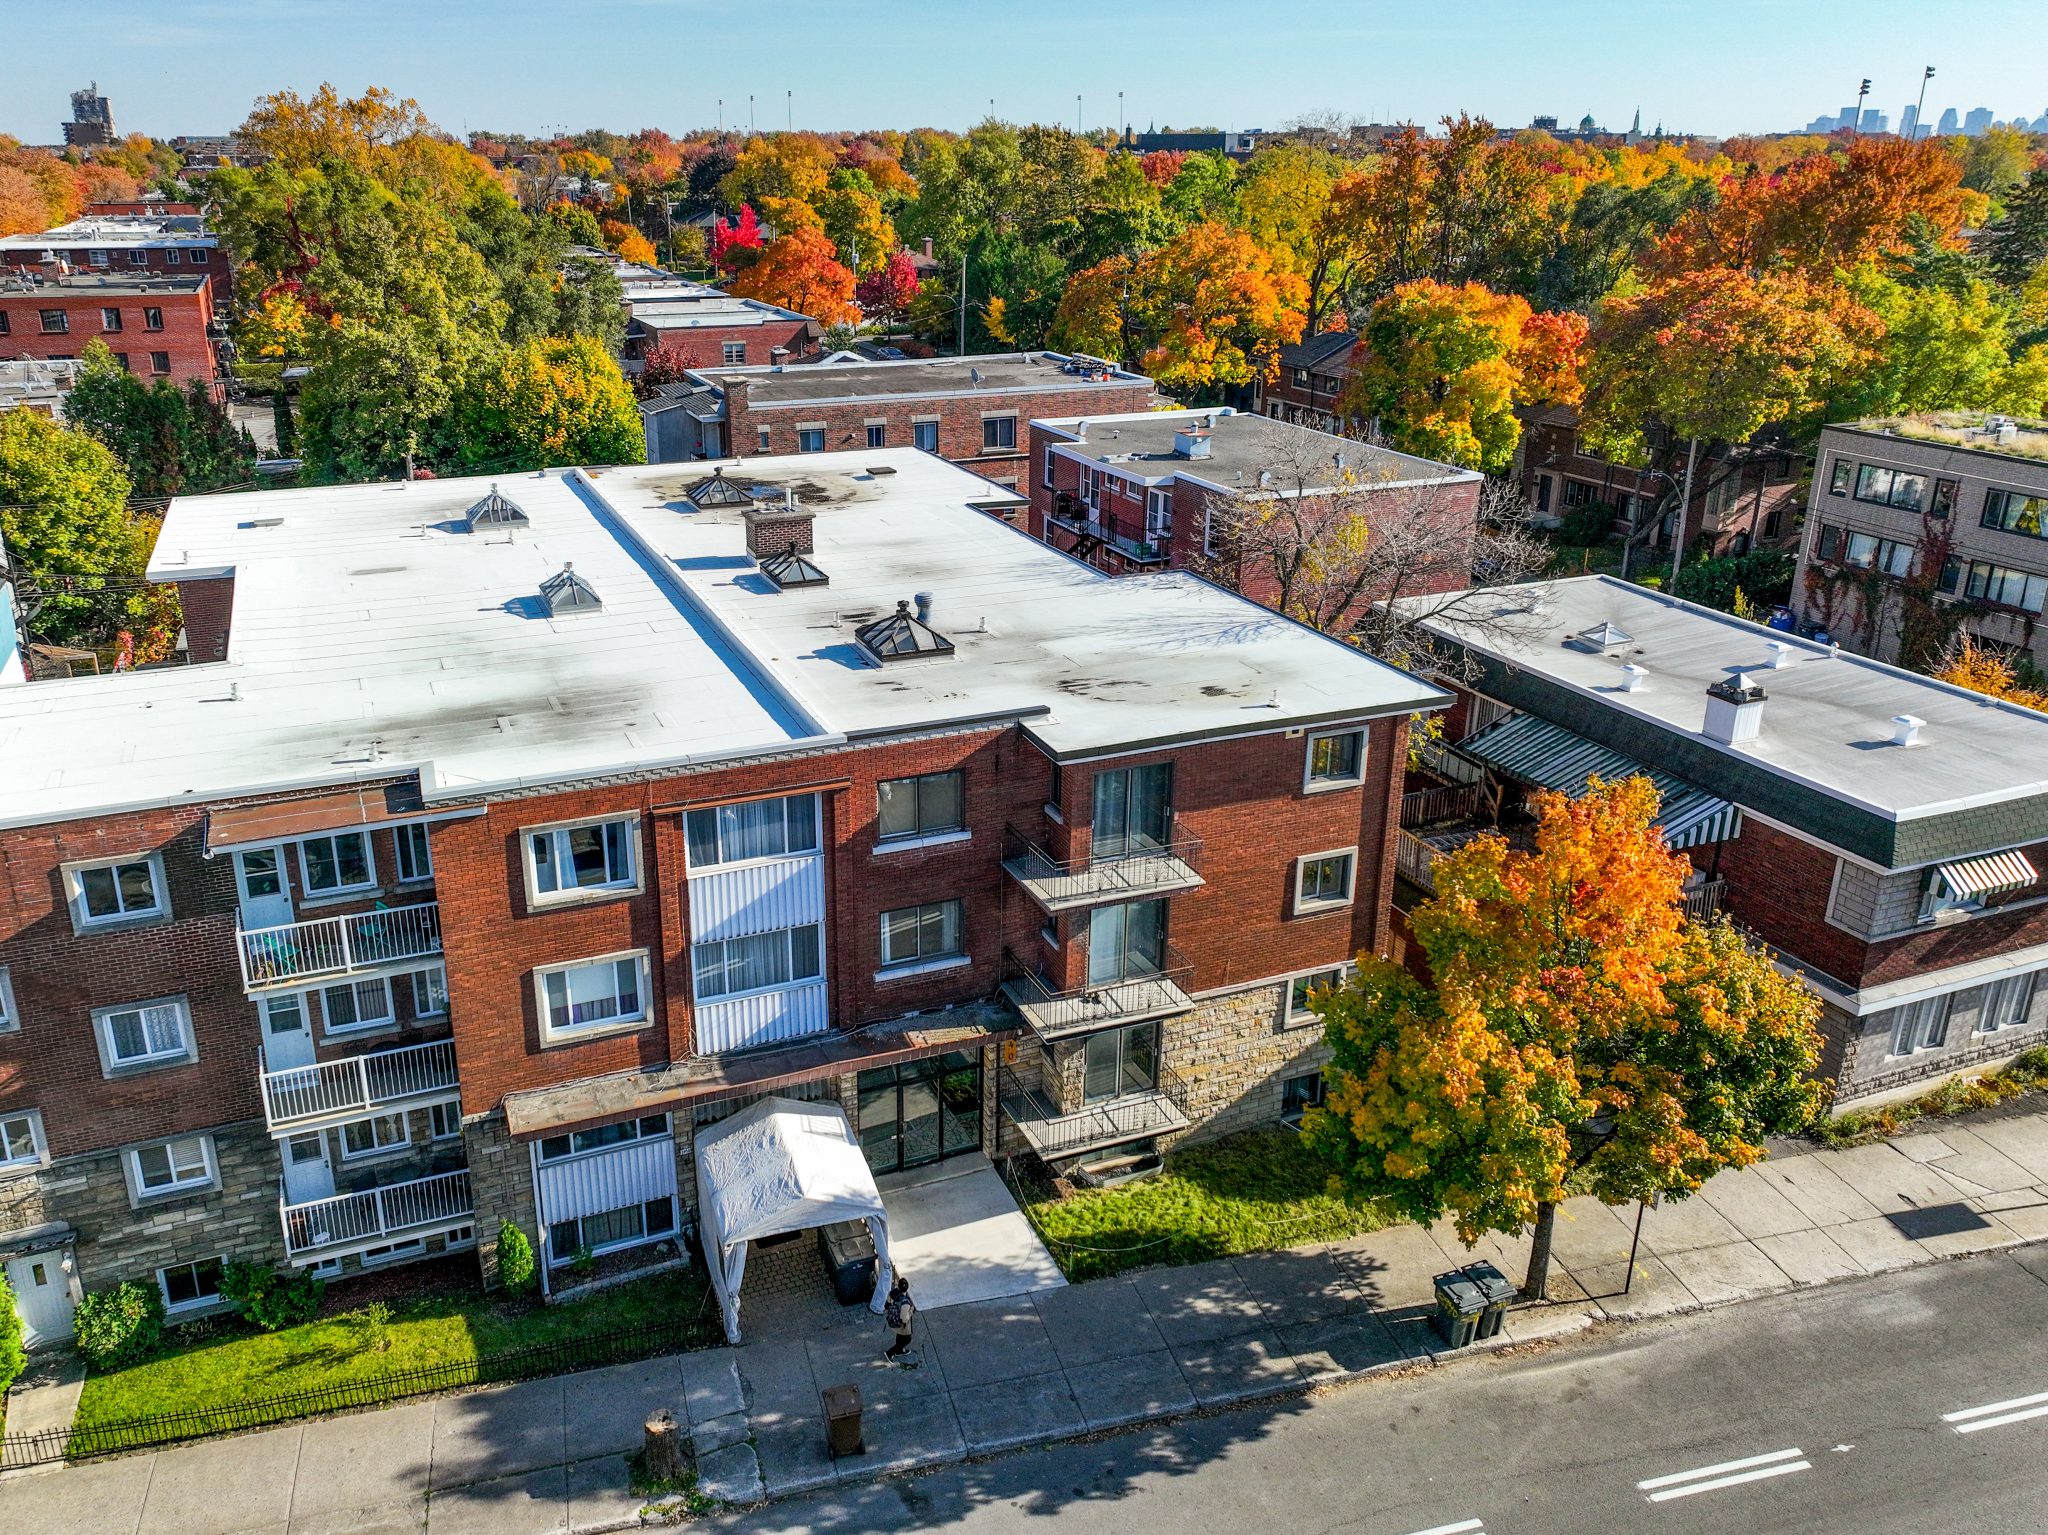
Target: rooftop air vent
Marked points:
1602	638
718	491
565	593
790	568
900	637
495	511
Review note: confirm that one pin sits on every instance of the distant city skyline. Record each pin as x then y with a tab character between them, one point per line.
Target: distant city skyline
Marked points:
532	67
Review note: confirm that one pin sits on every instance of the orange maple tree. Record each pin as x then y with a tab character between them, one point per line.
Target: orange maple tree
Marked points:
799	271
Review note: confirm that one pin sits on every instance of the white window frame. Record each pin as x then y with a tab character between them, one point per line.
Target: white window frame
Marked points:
805	434
409	834
919	431
2024	984
557	833
921	835
1321	1095
552	1033
174	255
919	963
10	1014
1319	904
393	1252
732	354
1000	419
189	1307
447	1113
198	254
816	848
12	1158
131	1166
1158	512
1310	782
1919	1026
432	980
83	921
644	1129
378	1147
374	1024
1322	975
787	934
337	892
113	1065
1045	476
878	434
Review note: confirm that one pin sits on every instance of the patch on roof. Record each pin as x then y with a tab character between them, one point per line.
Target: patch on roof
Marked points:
495	511
900	637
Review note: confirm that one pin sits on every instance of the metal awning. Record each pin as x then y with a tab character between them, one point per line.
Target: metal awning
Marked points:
1535	751
231	827
1992	874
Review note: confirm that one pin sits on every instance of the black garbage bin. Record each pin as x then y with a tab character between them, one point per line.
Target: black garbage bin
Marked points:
1459	1306
1496	1290
850	1259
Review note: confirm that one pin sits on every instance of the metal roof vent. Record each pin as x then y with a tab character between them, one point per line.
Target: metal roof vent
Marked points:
495	511
791	568
565	593
1602	638
900	637
718	491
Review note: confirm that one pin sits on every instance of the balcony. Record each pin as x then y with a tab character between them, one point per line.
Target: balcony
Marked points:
1141	551
329	1092
397	1212
1130	1117
330	947
1703	900
1134	998
1131	871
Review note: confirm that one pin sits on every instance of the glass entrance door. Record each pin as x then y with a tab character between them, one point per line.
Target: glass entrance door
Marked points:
920	1111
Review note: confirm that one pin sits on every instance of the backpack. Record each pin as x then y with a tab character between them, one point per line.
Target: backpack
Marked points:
893	1313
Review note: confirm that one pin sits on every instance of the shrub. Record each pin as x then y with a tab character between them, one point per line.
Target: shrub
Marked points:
12	1355
372	1327
515	1259
270	1299
118	1326
1587	525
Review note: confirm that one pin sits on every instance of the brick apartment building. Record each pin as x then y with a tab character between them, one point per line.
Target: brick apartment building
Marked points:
1305	388
1957	504
168	244
489	864
975	411
1132	493
157	327
705	327
1885	833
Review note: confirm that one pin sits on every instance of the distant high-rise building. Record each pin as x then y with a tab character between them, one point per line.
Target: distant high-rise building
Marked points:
1909	122
1948	127
1977	121
92	119
1846	118
1874	121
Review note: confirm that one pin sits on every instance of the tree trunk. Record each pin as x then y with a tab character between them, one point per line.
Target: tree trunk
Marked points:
1538	1280
1692	455
664	1457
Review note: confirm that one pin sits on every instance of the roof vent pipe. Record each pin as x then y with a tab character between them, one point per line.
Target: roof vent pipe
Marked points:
1633	677
1781	655
924	607
1906	729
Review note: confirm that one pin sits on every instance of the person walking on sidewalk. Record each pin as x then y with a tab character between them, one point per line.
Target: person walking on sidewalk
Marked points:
897	1312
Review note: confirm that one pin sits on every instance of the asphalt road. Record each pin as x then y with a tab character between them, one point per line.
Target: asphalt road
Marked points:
1819	1412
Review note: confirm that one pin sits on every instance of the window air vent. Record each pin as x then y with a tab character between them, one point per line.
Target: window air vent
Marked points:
791	568
900	637
495	511
565	592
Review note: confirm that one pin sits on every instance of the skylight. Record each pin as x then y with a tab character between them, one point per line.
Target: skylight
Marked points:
791	568
495	511
565	592
900	637
719	491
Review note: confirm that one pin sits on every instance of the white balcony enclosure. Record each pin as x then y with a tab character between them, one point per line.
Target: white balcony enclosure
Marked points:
360	943
397	1212
330	1092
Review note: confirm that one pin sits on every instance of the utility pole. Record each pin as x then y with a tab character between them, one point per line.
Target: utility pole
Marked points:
1692	456
963	303
1856	128
721	116
750	114
1920	108
1077	112
789	111
1120	129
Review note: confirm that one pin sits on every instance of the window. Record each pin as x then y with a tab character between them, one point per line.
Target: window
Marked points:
2011	512
391	1252
810	439
171	1167
921	935
878	436
1300	1094
56	322
1580	493
1133	811
121	361
357	1005
1158	513
110	319
924	436
1890	487
1120	1061
554	1147
570	860
152	319
1996	583
415	858
1045	475
1921	1025
732	353
188	1286
1298	989
607	1229
911	809
444	1121
1336	759
998	434
138	258
159	362
173	255
386	1133
21	1140
761	439
6	323
731	967
2004	1003
334	864
1944	503
595	994
1889	556
430	992
144	1034
198	255
1827	543
1323	880
10	1019
759	828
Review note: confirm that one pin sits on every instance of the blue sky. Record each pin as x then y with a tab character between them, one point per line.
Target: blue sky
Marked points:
1724	67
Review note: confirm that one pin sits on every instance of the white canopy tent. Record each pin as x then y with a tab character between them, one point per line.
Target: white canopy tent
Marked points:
780	1166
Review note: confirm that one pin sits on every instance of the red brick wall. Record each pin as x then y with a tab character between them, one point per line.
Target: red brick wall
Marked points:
183	336
217	269
208	608
705	347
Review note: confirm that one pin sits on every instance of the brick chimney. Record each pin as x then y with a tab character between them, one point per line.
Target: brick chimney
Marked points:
778	529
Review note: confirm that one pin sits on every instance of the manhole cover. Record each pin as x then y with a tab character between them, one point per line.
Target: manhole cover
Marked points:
1938	1221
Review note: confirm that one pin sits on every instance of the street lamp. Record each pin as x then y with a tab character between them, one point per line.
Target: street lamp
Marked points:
1856	128
1920	107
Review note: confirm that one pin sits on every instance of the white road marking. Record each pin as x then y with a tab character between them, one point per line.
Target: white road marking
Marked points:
1729	1473
1462	1527
1998	1414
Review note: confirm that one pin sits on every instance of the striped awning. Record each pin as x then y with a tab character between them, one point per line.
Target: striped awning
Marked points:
1989	875
1537	752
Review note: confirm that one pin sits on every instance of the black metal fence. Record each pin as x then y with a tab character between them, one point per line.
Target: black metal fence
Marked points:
85	1440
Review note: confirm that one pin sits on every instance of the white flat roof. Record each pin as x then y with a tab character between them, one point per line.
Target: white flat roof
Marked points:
111	229
371	637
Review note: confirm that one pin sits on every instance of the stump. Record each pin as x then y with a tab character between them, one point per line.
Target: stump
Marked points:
663	1457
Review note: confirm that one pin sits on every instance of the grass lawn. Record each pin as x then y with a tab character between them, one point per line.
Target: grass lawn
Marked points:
227	1363
1245	1194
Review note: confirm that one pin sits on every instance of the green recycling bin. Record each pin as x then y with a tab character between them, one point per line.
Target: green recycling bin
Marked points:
1459	1306
1497	1290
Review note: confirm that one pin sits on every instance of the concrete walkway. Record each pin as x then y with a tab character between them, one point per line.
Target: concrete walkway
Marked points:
550	1455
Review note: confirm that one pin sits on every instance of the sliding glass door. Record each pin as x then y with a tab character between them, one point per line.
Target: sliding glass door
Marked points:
1126	941
1133	810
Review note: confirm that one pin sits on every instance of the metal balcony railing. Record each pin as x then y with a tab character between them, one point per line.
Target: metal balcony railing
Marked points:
1444	802
1136	995
1158	1110
297	952
1145	551
330	1091
395	1211
1703	901
1414	861
1128	869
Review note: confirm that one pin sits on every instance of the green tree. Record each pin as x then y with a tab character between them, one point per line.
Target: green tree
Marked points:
1940	349
549	402
1575	1027
381	395
171	441
578	226
1997	160
64	511
2017	242
12	1353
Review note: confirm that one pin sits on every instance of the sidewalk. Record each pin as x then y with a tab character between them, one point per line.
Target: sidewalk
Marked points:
551	1455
